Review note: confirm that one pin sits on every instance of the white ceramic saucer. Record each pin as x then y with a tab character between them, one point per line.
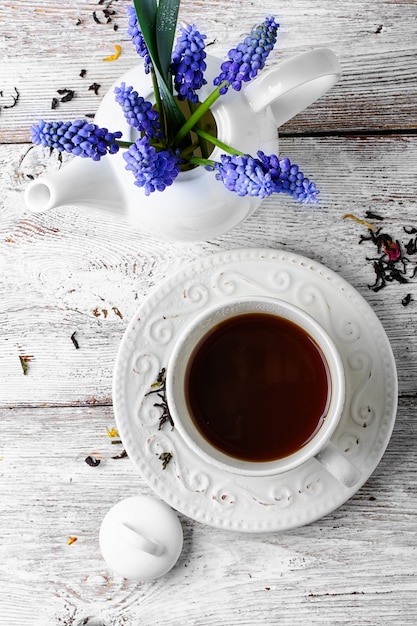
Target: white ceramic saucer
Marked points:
254	504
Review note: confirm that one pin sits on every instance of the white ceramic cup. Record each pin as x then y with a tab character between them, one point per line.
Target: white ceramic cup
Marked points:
319	446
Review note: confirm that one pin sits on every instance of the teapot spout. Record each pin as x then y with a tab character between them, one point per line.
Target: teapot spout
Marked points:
80	182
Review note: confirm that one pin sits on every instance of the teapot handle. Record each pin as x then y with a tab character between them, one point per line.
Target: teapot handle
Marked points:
294	84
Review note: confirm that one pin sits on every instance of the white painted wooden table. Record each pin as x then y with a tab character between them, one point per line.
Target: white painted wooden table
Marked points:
77	271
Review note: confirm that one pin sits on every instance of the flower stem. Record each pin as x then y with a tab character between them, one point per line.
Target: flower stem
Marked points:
202	144
217	142
123	144
199	161
158	102
197	115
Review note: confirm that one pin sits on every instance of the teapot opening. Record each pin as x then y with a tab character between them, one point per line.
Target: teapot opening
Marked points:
201	147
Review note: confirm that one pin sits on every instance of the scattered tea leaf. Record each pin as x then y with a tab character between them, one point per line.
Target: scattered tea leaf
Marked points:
406	300
67	94
159	387
117	312
393	264
24	365
74	341
165	457
24	360
92	461
373	216
94	87
95	18
122	455
15	99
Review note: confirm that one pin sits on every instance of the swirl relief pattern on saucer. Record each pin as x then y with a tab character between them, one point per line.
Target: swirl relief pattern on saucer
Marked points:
226	500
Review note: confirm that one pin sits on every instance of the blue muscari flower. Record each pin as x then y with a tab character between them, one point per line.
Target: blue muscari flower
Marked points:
188	65
139	112
262	176
244	175
152	170
249	57
80	138
135	33
288	179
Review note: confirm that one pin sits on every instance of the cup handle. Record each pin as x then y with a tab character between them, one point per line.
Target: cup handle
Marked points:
339	466
294	84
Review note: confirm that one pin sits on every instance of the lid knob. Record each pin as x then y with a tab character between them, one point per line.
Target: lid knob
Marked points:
141	538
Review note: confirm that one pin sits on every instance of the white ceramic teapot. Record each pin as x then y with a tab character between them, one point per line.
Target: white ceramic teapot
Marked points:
196	206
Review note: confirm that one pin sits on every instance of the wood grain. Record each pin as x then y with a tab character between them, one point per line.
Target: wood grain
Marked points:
74	277
65	274
358	561
375	43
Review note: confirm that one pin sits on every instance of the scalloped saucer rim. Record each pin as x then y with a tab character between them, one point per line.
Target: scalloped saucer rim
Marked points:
254	504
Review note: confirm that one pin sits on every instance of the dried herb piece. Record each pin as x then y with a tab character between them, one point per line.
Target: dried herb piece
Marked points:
67	94
24	360
94	87
71	540
373	216
122	455
165	457
392	265
74	341
349	216
113	432
24	363
411	245
92	462
117	312
15	99
54	103
406	300
108	13
83	73
159	387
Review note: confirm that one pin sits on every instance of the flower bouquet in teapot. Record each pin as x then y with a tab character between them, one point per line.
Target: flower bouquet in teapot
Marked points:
179	125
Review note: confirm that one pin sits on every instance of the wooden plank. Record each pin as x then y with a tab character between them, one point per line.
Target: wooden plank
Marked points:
356	561
84	271
374	42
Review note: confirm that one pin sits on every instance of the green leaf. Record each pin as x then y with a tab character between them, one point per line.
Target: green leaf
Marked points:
166	25
147	14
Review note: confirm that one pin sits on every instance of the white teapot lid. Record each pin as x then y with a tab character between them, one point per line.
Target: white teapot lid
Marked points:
141	538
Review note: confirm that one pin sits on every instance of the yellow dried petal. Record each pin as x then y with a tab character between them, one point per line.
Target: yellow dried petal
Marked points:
114	56
349	216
